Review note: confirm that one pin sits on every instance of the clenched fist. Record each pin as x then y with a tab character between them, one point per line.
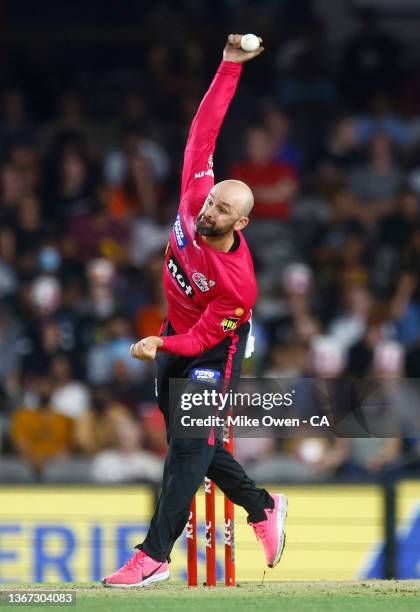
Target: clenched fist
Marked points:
146	349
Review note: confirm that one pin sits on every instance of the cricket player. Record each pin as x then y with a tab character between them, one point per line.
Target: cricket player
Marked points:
210	287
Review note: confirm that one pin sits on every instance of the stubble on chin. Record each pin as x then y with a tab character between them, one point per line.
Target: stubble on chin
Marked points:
204	230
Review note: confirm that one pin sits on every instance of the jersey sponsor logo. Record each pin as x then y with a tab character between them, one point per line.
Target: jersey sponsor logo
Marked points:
179	275
229	323
180	237
201	281
205	375
208	172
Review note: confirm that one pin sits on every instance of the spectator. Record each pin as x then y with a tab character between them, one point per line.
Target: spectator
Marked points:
254	452
29	230
116	165
405	306
74	196
397	228
69	397
9	345
71	125
8	277
12	191
284	362
285	150
45	347
101	273
25	158
41	434
129	390
70	120
94	429
340	153
289	317
149	318
99	235
14	125
382	119
113	346
374	456
127	462
331	236
273	183
148	240
349	327
378	182
137	195
154	429
360	355
121	338
327	358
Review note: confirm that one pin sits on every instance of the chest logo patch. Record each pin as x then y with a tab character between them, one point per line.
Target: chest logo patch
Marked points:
229	323
179	275
201	281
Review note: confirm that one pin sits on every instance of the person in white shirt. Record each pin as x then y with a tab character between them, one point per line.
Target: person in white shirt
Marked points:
127	462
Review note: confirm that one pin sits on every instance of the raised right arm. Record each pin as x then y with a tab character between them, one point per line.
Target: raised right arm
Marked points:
197	171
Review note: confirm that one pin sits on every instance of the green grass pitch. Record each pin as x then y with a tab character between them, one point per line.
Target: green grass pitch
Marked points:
290	596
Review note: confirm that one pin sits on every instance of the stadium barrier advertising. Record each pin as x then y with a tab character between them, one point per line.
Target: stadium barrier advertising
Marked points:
50	534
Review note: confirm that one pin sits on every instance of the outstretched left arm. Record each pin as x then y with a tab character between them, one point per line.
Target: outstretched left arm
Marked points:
218	320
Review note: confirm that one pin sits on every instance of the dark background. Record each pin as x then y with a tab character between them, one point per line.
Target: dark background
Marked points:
96	102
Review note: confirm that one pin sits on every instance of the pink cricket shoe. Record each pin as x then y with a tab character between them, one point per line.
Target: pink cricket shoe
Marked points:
139	571
271	531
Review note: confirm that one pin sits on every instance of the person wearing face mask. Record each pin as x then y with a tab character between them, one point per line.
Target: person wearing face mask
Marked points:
40	434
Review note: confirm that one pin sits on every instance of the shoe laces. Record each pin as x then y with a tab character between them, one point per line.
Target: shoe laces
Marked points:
136	561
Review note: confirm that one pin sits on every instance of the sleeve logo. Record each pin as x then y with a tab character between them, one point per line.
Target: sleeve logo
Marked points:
180	237
229	323
208	172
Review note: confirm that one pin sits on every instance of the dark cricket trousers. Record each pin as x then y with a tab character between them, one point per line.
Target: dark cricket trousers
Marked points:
189	460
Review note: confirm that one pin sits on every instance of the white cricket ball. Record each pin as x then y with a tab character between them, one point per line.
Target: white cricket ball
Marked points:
250	42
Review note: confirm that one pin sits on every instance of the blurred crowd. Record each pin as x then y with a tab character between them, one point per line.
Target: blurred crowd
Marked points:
87	203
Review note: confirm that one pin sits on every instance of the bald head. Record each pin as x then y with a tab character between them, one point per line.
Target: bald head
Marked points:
236	194
226	209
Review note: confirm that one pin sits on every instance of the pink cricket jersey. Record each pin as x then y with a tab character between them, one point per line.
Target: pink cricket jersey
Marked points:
209	293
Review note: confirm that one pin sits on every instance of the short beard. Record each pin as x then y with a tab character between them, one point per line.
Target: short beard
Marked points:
208	230
205	230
